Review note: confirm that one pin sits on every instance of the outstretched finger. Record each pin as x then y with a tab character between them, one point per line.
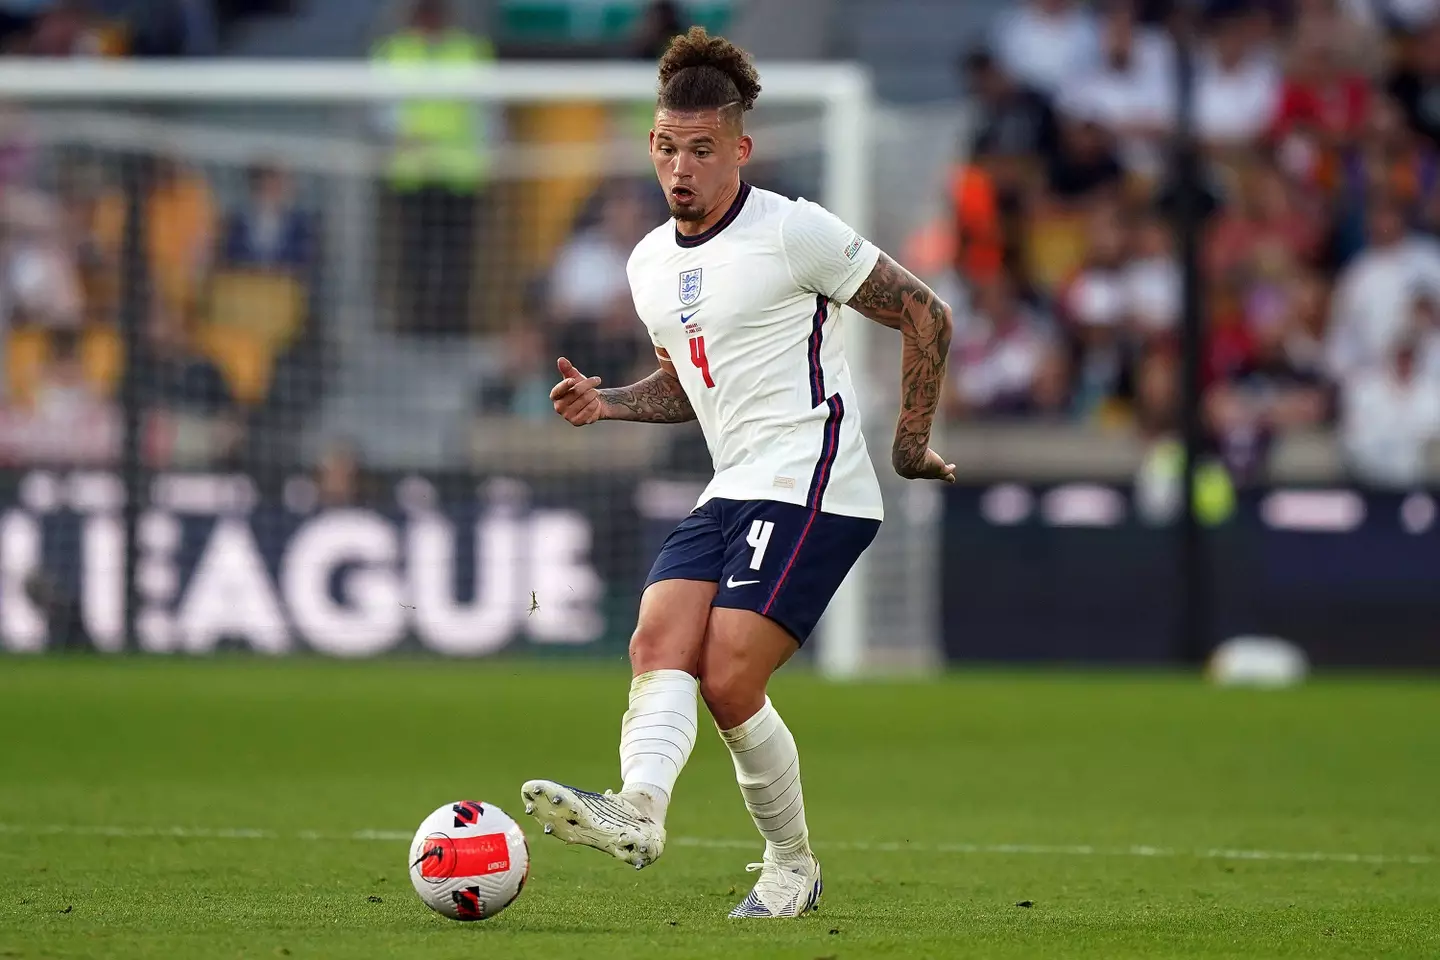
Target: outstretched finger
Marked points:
561	388
589	383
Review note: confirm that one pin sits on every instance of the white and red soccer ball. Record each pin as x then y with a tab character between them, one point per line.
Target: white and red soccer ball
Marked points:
469	860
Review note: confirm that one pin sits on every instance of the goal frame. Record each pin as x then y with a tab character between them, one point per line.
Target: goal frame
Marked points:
843	91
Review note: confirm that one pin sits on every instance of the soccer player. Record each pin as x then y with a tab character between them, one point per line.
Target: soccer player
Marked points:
741	293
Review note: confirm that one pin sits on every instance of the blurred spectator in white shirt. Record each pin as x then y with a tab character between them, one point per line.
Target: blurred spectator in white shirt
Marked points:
1046	44
1095	307
1237	85
63	395
67	420
1391	414
589	295
270	230
38	276
1375	296
588	277
1004	358
1130	91
1152	280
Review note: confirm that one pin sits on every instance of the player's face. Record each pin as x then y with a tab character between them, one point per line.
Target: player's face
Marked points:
698	156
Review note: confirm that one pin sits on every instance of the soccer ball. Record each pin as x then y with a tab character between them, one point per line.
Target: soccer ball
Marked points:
469	860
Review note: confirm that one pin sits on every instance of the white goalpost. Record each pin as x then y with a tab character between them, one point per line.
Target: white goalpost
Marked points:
222	116
842	92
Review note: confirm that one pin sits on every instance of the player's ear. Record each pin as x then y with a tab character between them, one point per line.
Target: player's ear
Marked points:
745	145
652	139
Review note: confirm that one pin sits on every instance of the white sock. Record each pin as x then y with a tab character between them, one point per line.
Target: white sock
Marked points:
767	765
656	738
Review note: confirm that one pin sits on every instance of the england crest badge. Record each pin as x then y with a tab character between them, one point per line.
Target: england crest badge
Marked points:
690	286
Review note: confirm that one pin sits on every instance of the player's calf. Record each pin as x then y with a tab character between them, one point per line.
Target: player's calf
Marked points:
742	649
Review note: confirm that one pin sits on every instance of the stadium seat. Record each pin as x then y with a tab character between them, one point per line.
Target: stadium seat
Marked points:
103	355
25	353
28	350
246	358
270	305
1054	247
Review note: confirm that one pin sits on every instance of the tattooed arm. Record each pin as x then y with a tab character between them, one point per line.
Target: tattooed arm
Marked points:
893	297
658	398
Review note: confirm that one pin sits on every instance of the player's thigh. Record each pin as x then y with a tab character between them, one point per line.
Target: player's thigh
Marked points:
675	606
783	564
670	631
742	650
786	562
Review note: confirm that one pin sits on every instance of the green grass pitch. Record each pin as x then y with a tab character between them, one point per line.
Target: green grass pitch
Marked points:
1137	816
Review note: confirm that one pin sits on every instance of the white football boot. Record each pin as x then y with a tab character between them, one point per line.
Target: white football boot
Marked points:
606	821
786	888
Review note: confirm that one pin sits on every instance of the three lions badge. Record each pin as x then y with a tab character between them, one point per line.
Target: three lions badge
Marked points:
690	286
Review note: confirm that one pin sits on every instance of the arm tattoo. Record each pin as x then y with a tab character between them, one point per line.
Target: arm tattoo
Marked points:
658	398
893	297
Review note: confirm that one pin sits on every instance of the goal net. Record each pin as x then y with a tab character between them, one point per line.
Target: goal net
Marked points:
314	359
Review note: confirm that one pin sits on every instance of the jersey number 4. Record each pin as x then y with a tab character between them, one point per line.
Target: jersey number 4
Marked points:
698	358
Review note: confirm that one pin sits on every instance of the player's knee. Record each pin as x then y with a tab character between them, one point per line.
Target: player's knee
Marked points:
658	648
732	695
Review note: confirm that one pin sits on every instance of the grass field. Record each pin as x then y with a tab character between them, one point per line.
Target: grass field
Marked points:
216	809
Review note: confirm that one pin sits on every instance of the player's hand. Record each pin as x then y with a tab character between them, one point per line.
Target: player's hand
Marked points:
931	467
576	396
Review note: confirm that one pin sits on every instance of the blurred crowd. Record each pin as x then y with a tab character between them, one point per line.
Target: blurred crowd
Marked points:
230	355
144	28
226	299
1319	265
225	287
1319	123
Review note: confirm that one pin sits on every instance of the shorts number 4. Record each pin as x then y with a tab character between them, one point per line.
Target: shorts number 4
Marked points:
759	541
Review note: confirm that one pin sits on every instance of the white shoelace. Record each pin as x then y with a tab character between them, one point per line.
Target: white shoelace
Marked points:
775	880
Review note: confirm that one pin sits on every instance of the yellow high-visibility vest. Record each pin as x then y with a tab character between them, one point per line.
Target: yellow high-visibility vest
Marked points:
440	141
640	117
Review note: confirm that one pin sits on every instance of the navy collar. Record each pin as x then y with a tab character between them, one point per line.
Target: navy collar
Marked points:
721	224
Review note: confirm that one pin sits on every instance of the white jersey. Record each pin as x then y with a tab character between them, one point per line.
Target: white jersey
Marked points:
749	314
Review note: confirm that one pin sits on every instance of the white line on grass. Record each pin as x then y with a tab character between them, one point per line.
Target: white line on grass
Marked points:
1085	850
858	846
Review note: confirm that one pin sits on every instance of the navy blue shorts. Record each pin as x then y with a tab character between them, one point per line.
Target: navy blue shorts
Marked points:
779	559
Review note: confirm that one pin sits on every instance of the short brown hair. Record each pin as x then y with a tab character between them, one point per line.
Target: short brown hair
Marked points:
701	72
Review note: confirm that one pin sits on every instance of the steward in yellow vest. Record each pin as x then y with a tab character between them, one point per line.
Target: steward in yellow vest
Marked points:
438	142
436	179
